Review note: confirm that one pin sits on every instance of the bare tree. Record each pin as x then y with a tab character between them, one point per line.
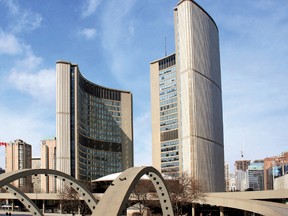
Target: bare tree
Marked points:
72	202
142	194
183	191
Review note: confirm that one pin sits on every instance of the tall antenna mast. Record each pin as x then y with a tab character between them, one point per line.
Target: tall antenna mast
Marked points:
242	151
165	48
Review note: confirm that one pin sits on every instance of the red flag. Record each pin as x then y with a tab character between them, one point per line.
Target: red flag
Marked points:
3	143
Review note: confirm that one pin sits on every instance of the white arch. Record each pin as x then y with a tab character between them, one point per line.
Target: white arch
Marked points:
114	199
87	196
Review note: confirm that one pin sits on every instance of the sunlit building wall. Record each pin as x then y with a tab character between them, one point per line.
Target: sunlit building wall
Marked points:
18	157
36	179
274	167
94	127
281	183
187	122
48	161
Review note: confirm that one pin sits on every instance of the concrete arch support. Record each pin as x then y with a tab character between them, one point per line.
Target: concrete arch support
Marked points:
114	200
87	196
25	200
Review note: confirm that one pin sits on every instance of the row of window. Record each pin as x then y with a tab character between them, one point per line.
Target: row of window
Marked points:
99	154
171	171
164	118
171	164
102	135
167	91
169	143
168	112
165	97
93	102
94	164
169	135
173	148
99	124
98	91
168	70
94	99
169	154
165	78
170	127
169	122
169	159
167	62
170	101
170	84
111	103
101	110
169	106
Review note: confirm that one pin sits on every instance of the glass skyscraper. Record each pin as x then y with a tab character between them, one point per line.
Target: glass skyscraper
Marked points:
94	126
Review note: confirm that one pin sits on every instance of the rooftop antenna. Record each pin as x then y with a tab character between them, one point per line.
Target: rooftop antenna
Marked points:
242	151
165	48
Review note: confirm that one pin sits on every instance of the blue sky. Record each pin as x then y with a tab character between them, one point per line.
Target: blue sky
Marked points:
113	44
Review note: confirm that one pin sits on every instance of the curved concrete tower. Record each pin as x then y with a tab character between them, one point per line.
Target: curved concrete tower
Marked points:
94	126
198	147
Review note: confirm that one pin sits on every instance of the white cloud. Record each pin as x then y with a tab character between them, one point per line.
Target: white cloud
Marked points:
117	34
40	85
117	29
90	7
22	19
9	44
30	61
88	33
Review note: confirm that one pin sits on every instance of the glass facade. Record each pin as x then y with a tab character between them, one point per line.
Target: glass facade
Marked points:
99	130
169	116
256	176
94	126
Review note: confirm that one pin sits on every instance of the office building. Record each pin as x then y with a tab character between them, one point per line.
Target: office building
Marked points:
186	101
18	156
48	161
274	167
255	173
241	178
94	129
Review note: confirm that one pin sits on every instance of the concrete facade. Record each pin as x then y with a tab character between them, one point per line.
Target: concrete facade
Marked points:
281	183
94	126
198	145
48	161
36	180
18	156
